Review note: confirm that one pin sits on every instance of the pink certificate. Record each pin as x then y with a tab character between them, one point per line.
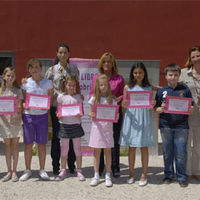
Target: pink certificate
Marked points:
37	101
8	105
139	99
70	110
178	105
105	112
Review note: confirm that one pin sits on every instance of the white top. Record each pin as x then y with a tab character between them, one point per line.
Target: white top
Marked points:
31	86
103	100
65	99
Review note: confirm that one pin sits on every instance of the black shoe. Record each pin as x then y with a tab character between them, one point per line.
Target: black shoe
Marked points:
55	172
71	171
183	183
116	174
167	180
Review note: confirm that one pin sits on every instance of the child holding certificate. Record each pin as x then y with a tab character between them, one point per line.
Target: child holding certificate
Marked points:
11	125
137	125
101	135
70	124
37	91
173	127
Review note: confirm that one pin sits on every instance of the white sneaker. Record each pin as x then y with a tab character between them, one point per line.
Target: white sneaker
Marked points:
26	175
95	181
130	180
43	175
108	182
143	182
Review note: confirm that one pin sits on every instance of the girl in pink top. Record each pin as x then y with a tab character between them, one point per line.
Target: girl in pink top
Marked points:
70	126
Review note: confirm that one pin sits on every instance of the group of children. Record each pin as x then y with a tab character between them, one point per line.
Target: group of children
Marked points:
136	130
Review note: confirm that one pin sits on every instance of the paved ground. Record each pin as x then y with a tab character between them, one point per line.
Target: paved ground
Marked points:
71	188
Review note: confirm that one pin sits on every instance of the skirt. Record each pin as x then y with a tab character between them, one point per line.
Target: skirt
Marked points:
71	131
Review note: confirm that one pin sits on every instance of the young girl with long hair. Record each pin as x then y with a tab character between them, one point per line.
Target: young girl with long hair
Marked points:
70	126
137	125
101	135
11	125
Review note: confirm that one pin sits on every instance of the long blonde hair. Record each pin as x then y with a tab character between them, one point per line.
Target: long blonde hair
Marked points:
64	82
3	83
97	93
101	61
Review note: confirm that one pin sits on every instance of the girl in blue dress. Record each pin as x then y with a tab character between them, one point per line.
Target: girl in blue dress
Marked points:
137	125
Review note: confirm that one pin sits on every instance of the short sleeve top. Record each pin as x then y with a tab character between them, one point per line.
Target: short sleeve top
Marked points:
56	73
31	86
65	100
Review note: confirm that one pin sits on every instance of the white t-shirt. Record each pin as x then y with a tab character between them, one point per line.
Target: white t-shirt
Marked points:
103	100
37	88
65	100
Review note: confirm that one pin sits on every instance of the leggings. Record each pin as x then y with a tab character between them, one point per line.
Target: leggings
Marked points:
64	144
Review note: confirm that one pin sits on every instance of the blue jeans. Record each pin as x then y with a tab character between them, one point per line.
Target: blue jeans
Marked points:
175	148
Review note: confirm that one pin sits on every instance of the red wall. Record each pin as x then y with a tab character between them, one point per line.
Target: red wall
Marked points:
158	30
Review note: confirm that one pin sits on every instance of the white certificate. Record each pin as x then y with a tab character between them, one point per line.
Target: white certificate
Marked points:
106	112
7	106
69	110
37	101
139	99
177	105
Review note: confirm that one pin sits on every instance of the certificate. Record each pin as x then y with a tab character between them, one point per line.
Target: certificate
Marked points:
8	105
105	112
70	110
178	105
37	101
139	99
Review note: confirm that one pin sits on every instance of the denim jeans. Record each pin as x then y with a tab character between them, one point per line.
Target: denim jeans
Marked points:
175	149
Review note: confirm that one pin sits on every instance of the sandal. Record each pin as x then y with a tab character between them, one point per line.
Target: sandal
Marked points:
15	178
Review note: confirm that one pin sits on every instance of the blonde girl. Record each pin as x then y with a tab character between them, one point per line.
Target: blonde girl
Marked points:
11	125
70	126
101	135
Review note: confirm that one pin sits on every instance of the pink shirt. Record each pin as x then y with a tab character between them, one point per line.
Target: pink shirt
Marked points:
116	83
67	99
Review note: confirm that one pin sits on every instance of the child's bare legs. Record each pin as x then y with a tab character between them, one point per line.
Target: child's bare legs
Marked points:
97	153
42	155
28	155
15	153
77	150
64	142
145	159
8	155
107	152
131	160
108	180
95	180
